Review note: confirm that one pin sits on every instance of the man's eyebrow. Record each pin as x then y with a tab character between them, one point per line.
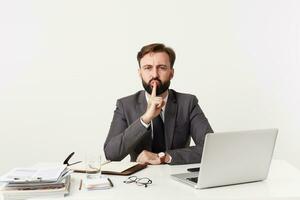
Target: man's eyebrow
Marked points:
162	65
159	65
147	65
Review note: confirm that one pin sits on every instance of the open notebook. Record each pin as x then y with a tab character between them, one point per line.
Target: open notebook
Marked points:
111	167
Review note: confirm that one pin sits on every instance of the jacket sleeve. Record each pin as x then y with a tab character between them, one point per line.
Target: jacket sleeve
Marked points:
199	127
122	137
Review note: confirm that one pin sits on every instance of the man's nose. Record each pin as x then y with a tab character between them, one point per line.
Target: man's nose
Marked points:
154	72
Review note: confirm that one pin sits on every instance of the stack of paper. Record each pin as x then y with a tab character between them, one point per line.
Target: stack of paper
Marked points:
23	183
98	183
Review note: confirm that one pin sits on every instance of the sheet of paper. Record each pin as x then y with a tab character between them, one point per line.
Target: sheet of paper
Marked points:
33	174
19	173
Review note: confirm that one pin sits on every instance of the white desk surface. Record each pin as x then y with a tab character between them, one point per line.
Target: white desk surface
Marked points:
283	182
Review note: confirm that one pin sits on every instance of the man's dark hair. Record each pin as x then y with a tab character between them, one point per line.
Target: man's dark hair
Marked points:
155	48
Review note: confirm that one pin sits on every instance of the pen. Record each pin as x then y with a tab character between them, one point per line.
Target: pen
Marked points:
80	185
111	184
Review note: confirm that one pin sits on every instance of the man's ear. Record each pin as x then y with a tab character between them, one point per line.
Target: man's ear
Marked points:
172	74
139	72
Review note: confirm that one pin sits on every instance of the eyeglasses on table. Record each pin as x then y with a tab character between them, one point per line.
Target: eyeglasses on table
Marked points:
144	181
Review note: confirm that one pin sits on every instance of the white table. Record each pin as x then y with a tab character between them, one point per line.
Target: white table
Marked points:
283	182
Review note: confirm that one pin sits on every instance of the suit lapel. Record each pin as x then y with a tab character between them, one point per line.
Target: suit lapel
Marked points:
170	118
141	105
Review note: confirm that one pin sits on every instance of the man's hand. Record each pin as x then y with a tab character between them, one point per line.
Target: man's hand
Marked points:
154	106
147	157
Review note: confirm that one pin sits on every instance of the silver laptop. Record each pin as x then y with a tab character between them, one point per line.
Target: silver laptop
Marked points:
232	158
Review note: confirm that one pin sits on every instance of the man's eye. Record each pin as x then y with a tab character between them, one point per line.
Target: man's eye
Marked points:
163	67
147	68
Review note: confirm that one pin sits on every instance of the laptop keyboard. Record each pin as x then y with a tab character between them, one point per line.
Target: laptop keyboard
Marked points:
193	179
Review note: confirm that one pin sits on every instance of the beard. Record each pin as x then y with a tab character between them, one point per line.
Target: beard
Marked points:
161	88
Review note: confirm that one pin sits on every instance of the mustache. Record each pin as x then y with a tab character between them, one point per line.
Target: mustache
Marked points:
155	79
161	88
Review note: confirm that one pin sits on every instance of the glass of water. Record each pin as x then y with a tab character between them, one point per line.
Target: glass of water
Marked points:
93	165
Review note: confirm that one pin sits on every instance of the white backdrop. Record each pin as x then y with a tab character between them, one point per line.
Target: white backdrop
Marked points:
63	64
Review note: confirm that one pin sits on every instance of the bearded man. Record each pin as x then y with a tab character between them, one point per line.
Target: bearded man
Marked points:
155	125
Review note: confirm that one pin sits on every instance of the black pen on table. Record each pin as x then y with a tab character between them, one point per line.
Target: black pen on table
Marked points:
111	183
80	184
